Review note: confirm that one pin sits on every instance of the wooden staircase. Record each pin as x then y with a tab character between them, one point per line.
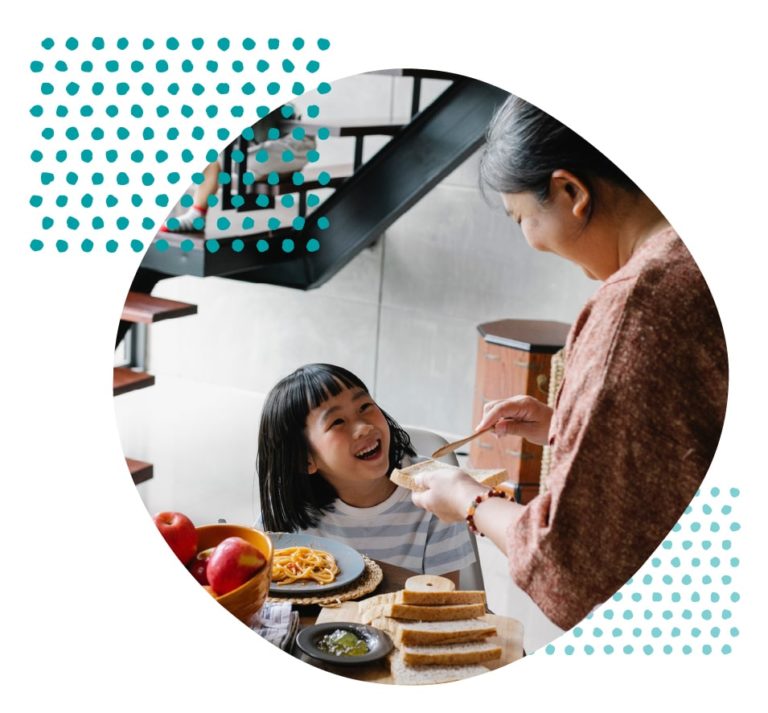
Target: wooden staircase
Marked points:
141	310
139	470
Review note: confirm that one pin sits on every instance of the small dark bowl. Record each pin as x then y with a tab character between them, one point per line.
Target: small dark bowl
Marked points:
379	643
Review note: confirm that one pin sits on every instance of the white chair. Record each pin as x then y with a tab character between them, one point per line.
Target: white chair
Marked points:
425	443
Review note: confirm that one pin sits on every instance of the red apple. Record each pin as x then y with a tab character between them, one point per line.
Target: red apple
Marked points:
198	566
233	562
179	533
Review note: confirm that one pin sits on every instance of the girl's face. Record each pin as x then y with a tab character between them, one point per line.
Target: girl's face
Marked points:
348	439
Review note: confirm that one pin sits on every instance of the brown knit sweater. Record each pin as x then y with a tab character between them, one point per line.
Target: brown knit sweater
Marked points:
636	423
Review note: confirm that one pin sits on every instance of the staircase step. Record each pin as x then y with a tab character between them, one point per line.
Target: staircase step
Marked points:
125	380
311	175
350	127
139	470
145	309
196	259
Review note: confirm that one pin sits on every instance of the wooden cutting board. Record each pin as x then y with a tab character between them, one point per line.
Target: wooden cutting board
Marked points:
509	637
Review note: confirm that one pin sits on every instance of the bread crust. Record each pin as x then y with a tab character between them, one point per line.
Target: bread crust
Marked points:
433	633
451	654
448	612
459	596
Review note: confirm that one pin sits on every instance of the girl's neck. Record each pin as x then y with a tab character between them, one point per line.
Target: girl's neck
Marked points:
366	494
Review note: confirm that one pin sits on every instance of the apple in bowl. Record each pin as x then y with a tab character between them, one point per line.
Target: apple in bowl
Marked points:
232	563
198	567
245	600
179	533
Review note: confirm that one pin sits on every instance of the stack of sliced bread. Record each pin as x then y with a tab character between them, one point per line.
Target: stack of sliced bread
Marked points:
438	631
405	476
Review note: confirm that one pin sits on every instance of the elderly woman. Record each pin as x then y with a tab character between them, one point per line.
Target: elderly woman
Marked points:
639	413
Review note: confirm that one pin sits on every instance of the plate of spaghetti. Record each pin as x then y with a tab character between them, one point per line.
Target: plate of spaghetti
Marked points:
304	564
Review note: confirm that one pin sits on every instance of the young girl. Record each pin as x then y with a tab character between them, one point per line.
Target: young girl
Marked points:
325	454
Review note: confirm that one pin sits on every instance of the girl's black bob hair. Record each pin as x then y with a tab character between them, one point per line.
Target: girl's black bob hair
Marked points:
291	499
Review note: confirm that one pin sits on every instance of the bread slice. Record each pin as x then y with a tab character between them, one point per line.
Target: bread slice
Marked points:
405	476
429	583
376	606
417	612
405	675
451	654
458	596
432	633
424	606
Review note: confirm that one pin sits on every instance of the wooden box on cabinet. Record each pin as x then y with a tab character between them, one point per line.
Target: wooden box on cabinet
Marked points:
513	358
521	493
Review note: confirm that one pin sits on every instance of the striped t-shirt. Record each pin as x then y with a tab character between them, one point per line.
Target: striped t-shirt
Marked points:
399	533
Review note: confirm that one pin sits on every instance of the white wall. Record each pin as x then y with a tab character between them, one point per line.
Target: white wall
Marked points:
402	315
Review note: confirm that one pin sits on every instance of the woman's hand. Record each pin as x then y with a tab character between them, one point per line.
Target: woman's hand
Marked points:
528	417
447	493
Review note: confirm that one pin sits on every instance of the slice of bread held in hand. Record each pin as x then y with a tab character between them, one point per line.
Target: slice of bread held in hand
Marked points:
406	476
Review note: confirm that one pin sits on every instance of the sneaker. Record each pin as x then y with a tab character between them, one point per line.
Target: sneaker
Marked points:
283	155
193	221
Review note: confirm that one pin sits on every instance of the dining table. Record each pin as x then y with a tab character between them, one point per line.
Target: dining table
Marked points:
393	579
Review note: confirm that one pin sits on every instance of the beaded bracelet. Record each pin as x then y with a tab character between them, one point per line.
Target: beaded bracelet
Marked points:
492	493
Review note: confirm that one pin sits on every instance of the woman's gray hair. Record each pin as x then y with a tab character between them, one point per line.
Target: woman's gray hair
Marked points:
526	145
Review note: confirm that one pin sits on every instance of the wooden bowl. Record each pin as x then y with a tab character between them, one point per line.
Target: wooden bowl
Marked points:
246	601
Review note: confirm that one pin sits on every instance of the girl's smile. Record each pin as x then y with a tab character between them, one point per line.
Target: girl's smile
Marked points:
370	453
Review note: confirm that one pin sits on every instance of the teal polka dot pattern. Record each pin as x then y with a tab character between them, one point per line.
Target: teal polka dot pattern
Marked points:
681	600
110	112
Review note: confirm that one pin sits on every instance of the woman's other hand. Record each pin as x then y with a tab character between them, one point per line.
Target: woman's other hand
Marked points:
447	493
518	416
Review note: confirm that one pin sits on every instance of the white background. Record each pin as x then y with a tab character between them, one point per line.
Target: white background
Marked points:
95	612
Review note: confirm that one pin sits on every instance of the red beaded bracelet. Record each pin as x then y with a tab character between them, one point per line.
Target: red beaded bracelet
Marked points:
492	493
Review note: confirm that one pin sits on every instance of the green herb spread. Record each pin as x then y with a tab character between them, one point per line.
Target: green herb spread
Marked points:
343	642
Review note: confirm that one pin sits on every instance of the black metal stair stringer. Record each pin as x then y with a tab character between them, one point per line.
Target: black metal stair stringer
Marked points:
436	142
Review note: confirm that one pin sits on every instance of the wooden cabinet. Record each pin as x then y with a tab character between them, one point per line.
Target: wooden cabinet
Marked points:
513	357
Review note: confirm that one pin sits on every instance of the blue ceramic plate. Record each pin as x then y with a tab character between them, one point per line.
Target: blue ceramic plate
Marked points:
350	562
379	644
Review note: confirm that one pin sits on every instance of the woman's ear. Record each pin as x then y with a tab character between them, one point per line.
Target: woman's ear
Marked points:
571	189
311	465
